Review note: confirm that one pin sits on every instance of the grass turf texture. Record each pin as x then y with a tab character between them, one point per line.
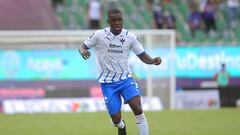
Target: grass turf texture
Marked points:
189	122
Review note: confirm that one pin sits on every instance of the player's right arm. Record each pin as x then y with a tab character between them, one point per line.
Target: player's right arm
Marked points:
89	43
84	52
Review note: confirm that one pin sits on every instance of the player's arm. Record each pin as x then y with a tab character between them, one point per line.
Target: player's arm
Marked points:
89	43
84	51
144	57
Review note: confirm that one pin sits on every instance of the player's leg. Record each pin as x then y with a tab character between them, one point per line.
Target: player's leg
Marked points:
113	103
141	122
131	95
114	110
118	122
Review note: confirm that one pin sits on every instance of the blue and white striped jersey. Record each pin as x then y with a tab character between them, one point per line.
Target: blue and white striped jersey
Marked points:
112	52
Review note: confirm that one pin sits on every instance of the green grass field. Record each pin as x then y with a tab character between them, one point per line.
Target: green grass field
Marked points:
201	122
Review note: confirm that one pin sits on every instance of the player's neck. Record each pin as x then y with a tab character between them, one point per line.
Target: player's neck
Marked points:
115	33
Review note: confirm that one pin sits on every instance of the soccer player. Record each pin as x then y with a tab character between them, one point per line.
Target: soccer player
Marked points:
112	46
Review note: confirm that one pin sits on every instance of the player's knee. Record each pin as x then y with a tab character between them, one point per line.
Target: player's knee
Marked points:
137	110
116	118
115	121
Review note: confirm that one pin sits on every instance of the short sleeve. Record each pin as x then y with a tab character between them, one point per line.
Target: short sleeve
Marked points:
92	40
137	46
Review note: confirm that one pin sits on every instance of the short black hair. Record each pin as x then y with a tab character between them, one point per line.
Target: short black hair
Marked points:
114	11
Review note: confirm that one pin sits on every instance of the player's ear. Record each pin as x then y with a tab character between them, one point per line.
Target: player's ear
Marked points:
108	21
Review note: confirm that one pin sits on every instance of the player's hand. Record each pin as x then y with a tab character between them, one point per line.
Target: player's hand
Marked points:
85	54
157	61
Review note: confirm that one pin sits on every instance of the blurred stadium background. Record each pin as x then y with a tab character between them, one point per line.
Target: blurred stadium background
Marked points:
41	70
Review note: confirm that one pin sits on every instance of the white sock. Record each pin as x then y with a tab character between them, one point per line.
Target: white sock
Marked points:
142	124
120	124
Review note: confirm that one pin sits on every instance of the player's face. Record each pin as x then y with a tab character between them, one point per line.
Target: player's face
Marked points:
115	22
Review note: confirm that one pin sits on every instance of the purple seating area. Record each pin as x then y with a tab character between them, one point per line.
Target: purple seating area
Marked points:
27	15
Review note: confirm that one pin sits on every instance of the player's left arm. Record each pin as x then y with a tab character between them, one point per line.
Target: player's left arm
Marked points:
144	57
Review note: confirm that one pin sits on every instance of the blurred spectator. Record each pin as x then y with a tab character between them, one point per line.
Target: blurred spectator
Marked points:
94	14
158	18
150	3
163	18
209	17
233	10
195	21
222	77
169	21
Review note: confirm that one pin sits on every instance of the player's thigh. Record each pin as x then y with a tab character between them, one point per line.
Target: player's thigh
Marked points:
130	90
131	95
112	98
114	104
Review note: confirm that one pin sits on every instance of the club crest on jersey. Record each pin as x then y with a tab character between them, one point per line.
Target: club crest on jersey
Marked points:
122	40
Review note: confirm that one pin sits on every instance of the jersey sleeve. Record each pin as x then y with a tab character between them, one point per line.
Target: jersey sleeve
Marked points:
137	46
92	40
